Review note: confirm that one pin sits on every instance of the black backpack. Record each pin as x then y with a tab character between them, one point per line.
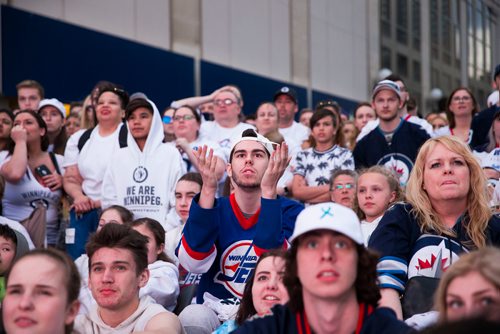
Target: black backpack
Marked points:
122	137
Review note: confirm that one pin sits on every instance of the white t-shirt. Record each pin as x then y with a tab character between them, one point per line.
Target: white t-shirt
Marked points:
223	136
297	133
92	160
368	228
199	142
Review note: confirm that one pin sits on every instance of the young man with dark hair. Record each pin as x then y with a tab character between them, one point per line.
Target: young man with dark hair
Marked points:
118	268
29	94
394	143
143	179
223	238
331	279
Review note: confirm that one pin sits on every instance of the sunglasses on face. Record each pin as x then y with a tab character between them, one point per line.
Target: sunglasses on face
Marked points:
342	186
167	119
224	102
185	118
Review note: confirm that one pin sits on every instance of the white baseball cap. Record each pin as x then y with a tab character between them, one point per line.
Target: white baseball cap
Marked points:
54	103
251	134
386	85
328	216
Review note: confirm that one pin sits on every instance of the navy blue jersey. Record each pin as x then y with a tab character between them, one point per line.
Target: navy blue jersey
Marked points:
406	251
283	320
481	124
224	245
399	155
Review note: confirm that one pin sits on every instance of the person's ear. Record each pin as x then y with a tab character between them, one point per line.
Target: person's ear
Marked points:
229	170
72	312
143	278
161	248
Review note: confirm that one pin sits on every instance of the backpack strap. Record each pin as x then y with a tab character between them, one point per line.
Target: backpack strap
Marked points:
83	139
54	161
122	136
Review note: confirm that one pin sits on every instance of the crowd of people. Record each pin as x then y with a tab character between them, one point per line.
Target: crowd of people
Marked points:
119	218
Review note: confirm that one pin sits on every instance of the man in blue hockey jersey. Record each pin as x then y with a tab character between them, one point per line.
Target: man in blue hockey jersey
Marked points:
223	238
394	143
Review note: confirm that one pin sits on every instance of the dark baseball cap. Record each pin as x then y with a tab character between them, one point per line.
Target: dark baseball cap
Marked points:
286	91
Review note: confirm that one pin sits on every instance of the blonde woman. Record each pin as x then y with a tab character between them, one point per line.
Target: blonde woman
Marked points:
447	214
471	287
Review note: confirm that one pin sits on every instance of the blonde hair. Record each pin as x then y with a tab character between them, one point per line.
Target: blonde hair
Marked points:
483	261
86	122
478	210
391	179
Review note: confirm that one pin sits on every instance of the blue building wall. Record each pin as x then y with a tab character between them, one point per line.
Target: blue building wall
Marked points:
68	60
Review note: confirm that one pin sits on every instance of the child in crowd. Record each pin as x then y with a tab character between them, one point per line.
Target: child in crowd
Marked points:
12	246
163	284
377	189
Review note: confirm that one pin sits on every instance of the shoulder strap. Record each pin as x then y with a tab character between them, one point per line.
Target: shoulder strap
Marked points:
83	139
54	161
122	136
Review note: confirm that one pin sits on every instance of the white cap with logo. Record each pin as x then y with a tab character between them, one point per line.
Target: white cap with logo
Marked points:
328	216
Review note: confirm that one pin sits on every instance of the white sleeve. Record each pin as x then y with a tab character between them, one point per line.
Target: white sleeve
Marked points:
72	152
163	284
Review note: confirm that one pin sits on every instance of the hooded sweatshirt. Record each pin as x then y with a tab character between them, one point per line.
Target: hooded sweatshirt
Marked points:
144	181
92	322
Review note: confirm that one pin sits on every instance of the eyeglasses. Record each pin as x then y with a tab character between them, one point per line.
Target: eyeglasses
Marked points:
185	117
458	99
342	186
167	119
225	102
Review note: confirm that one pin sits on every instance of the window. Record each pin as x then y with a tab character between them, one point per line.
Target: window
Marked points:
402	22
402	65
385	15
416	71
415	23
385	58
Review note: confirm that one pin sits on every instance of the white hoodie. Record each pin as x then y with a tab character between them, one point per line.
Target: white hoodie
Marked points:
144	181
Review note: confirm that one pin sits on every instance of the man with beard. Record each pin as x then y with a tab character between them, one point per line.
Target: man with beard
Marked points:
223	238
394	143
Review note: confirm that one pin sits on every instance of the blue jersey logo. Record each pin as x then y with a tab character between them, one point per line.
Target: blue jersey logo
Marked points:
237	264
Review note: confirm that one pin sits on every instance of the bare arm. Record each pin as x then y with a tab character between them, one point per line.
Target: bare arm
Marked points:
72	182
390	299
14	169
195	101
164	322
309	194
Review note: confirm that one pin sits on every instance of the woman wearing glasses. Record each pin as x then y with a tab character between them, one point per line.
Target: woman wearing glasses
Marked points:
343	187
186	125
168	124
460	109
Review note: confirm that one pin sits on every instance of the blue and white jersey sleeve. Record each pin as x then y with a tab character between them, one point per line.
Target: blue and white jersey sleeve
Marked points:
197	250
394	239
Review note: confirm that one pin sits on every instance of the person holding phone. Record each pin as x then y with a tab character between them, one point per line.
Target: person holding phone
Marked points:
31	174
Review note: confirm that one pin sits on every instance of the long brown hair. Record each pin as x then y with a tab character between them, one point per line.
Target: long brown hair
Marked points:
247	309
